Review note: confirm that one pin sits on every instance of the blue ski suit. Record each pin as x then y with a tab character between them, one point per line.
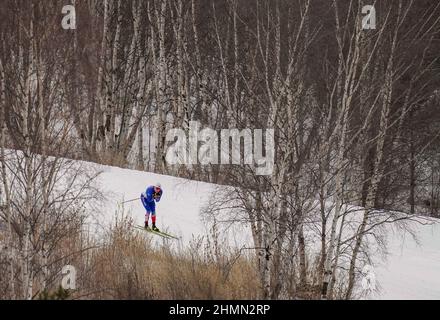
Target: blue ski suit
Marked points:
149	197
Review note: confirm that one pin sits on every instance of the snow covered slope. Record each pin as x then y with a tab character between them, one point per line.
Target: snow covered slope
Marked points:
411	271
178	210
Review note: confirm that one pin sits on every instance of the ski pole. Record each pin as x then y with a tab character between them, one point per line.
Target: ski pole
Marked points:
130	200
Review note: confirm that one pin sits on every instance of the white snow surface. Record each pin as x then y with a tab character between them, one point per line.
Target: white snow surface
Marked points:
410	271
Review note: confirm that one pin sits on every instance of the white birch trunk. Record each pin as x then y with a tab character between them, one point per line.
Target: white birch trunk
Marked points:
7	206
161	95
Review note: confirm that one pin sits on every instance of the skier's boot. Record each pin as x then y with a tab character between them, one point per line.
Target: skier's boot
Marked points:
146	225
155	228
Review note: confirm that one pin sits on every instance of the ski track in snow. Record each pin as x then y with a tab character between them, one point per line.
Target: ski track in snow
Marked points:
411	271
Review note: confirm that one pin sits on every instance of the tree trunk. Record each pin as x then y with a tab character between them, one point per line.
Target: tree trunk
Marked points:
161	92
412	173
7	205
302	258
140	158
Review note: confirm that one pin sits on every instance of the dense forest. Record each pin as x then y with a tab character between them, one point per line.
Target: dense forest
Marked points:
354	111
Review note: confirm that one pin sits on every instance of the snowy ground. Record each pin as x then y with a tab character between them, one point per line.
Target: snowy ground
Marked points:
178	210
411	271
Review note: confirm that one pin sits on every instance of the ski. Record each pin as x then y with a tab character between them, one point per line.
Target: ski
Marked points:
159	233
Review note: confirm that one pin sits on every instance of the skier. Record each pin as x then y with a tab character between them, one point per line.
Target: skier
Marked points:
148	198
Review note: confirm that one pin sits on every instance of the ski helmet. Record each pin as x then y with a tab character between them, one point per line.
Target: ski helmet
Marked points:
158	186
